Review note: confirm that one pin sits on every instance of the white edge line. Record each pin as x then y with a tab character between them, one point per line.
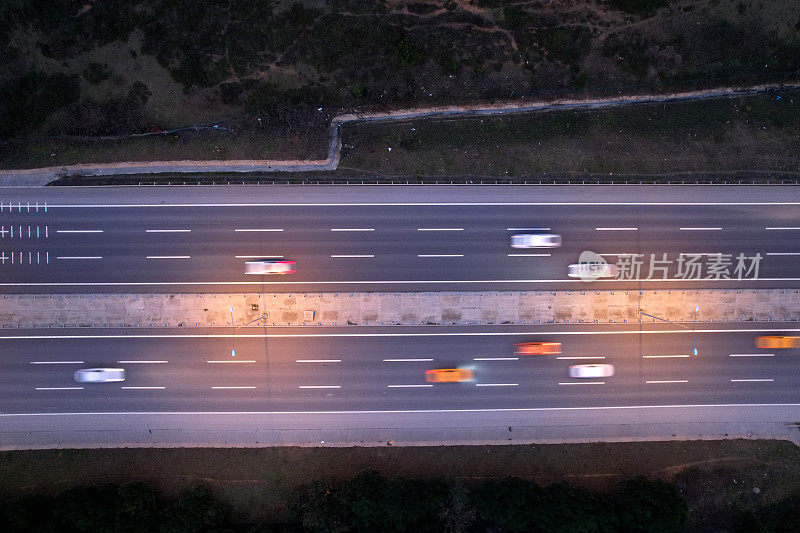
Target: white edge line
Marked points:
318	361
497	384
583	357
135	362
752	355
667	381
582	383
407	411
408	386
143	388
167	230
57	362
406	360
59	388
233	361
79	231
495	358
319	387
747	380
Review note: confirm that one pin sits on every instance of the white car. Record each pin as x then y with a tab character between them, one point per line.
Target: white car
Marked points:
536	240
266	266
99	375
591	371
592	270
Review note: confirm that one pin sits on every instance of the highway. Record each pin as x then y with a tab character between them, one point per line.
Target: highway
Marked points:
173	240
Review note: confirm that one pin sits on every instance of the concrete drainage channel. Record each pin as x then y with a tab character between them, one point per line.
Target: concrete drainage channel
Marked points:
399	308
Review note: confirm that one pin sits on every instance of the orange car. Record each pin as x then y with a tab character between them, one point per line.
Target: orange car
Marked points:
448	375
537	348
777	342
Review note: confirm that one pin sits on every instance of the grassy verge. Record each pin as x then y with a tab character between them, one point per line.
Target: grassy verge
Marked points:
743	133
717	477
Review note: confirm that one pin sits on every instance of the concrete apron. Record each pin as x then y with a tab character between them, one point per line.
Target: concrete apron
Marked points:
398	308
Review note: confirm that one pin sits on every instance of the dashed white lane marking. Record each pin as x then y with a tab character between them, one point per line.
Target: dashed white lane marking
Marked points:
240	387
582	357
235	361
528	255
701	229
319	387
783	253
258	256
169	257
440	255
352	229
141	362
257	229
59	388
665	356
318	361
617	229
783	228
497	384
752	355
495	358
167	230
143	388
582	383
409	386
667	381
57	362
79	257
79	231
527	229
406	360
749	380
440	229
368	256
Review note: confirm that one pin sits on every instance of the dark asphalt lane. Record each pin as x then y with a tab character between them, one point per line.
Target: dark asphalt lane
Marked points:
363	377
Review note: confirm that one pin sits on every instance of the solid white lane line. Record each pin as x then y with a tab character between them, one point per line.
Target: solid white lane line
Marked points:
144	388
168	257
408	386
135	362
497	384
527	229
318	361
440	255
667	381
354	256
319	387
377	282
528	255
57	362
420	204
258	256
752	355
167	230
352	229
462	334
59	388
582	357
582	383
783	253
617	229
440	229
748	380
700	229
784	228
79	257
664	356
79	231
228	361
256	229
241	387
495	359
406	360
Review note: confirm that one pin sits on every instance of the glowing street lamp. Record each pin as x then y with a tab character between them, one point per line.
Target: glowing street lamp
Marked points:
233	334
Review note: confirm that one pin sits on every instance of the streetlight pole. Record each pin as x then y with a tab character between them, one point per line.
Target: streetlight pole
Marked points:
233	334
694	345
